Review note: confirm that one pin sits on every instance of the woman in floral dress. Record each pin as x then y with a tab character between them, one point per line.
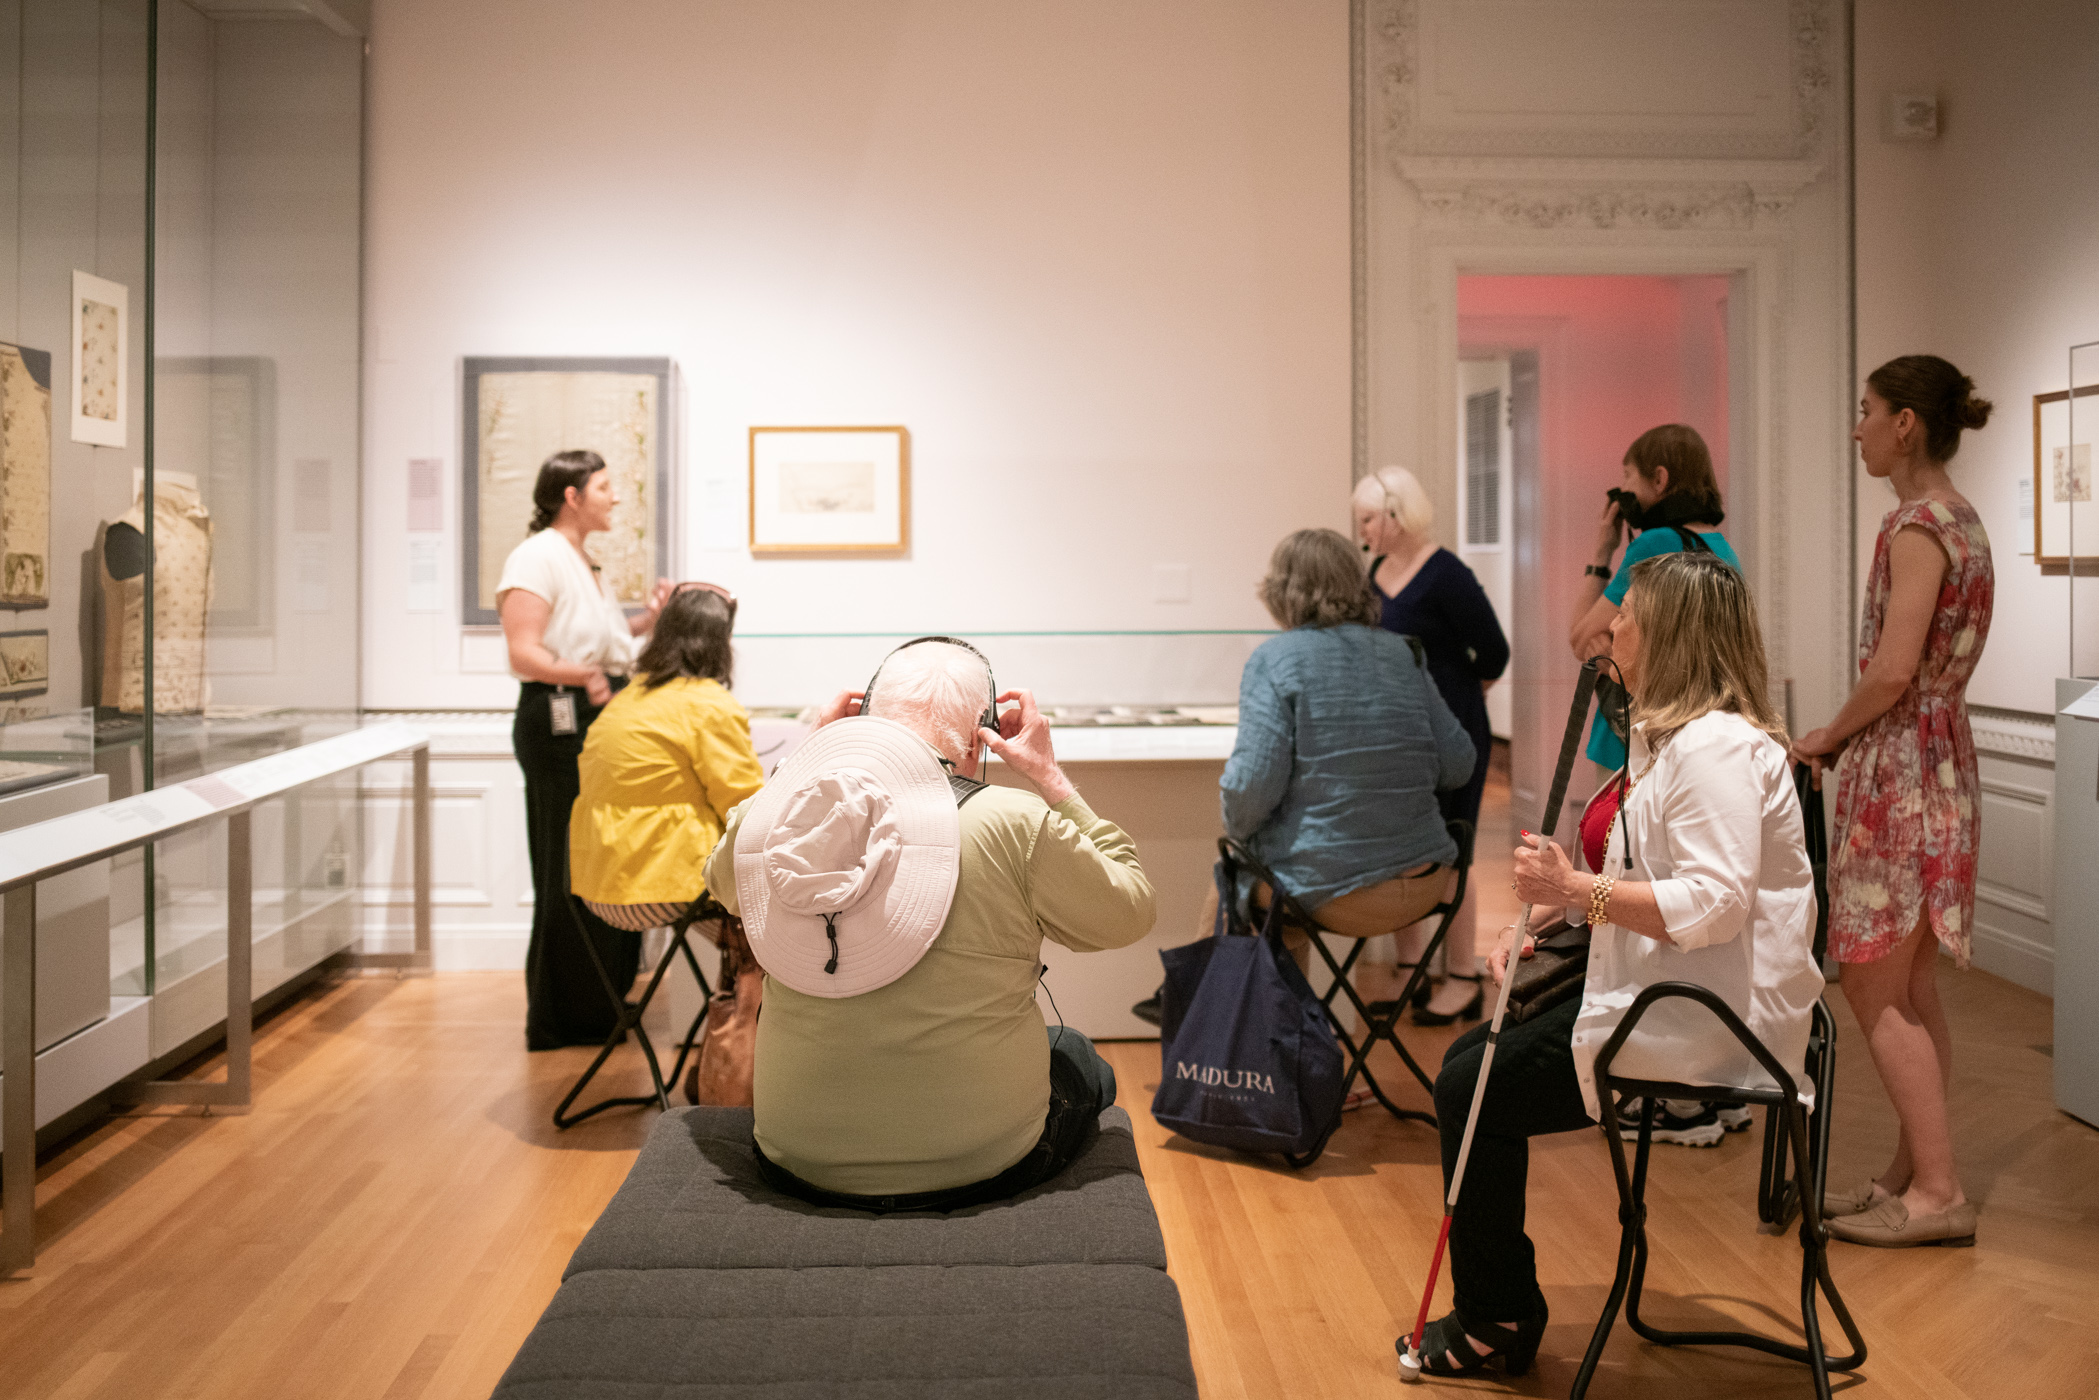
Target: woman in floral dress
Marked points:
1902	861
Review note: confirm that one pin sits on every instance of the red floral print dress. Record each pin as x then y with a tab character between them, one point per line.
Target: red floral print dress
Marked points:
1908	822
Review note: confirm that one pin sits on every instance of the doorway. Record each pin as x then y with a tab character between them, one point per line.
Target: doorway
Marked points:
1556	377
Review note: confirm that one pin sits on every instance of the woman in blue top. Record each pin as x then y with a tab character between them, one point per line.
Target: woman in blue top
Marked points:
1343	744
1675	506
1426	592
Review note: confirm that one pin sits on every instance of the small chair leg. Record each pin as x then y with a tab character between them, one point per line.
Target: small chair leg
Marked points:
1629	1222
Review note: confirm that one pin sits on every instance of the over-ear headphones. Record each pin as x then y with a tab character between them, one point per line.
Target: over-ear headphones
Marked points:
987	720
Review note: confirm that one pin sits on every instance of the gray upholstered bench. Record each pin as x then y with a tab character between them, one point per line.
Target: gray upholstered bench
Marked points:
699	1279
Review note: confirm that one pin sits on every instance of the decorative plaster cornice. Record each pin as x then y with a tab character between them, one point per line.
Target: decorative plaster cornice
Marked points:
1605	194
2012	734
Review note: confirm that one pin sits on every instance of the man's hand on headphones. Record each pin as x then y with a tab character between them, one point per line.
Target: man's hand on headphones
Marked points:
843	705
1023	742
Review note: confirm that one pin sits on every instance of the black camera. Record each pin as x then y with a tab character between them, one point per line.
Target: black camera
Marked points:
1630	511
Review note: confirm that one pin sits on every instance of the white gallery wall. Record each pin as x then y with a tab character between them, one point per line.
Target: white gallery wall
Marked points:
1095	256
1983	246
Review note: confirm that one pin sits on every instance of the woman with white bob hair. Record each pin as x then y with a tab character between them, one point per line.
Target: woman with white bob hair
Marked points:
1694	869
1425	592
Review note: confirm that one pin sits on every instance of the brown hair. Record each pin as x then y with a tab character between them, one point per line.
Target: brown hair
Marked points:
559	472
1315	580
1678	447
691	639
1701	648
1941	396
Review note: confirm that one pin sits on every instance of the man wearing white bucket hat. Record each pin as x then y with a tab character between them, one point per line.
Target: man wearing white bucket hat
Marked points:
898	907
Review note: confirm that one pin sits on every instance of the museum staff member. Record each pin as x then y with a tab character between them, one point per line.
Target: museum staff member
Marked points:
570	648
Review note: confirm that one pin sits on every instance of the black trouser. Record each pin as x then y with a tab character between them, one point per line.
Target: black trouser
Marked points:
1531	1091
1082	1088
565	1003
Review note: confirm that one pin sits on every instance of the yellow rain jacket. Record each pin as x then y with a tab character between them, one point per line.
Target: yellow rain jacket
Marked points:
660	770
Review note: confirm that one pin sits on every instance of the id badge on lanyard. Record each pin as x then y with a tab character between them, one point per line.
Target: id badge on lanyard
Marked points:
561	711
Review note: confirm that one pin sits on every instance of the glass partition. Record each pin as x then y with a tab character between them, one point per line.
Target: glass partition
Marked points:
179	410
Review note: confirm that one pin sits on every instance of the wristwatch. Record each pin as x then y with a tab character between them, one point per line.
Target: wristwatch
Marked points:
1597	571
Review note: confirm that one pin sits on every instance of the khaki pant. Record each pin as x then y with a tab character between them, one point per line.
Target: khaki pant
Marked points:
1366	913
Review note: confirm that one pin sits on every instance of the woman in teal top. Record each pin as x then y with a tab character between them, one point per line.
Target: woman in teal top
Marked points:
1674	506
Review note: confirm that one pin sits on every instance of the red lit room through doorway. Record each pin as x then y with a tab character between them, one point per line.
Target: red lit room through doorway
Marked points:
1556	377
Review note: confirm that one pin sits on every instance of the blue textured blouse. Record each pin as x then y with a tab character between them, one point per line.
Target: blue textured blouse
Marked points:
1343	744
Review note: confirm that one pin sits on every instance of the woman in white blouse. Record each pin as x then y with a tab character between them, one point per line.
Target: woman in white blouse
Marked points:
570	647
1703	877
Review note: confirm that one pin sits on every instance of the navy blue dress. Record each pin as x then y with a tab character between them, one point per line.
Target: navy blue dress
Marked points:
1446	610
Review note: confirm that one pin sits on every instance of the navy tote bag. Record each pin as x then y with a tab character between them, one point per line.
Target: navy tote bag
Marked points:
1248	1060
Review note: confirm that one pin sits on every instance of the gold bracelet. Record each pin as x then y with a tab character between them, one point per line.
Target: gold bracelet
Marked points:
1600	898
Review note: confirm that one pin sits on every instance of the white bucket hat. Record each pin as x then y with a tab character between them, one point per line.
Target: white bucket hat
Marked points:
847	859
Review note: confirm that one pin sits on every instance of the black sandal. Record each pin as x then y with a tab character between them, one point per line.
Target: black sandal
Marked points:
1514	1346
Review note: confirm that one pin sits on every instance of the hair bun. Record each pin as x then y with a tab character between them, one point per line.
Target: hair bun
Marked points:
1969	411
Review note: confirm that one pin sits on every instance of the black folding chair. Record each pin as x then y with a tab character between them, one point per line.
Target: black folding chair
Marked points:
1377	1027
630	1014
1793	1136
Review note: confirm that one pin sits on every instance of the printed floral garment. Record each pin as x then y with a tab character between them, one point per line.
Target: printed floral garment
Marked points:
1907	820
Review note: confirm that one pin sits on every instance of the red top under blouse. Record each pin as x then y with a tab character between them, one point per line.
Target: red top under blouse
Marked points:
1596	824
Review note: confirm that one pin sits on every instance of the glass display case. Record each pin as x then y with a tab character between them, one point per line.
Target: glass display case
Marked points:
179	411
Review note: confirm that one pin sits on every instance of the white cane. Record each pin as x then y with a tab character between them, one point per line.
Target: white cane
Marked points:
1410	1361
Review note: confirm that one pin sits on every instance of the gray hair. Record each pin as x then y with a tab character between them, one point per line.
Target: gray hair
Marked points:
937	691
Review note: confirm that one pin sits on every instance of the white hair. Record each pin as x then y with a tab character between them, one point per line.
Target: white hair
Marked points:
937	691
1394	491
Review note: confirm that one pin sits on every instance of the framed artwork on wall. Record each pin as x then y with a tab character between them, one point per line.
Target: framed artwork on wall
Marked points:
517	412
25	664
25	477
215	418
2062	476
830	490
101	363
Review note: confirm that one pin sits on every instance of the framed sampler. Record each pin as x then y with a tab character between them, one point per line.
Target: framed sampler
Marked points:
2062	476
517	412
830	490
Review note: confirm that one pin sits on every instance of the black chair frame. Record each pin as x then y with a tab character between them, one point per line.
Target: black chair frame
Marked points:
1291	914
1792	1136
630	1013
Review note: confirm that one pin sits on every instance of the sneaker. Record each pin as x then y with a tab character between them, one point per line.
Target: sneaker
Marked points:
1733	1116
1686	1123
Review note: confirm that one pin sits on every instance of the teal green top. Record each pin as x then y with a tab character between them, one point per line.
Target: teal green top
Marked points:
1605	747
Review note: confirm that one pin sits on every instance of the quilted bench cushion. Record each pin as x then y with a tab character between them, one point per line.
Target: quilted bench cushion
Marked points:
1048	1332
695	1200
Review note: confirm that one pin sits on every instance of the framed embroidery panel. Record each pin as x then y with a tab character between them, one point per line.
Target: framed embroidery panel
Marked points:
2062	477
830	490
25	477
517	412
101	366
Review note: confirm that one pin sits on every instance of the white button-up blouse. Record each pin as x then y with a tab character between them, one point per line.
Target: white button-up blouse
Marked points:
1715	827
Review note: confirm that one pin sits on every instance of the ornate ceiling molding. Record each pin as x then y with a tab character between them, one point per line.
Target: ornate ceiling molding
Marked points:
1396	64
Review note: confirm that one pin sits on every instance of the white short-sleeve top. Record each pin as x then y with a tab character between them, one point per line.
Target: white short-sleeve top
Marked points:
1715	826
587	626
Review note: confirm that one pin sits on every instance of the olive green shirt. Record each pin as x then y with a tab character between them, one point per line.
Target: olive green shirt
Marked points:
941	1078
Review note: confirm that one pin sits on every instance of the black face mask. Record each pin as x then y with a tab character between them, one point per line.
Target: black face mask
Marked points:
1670	510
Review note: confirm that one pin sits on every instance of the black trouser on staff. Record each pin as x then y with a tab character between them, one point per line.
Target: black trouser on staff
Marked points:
1533	1091
565	1003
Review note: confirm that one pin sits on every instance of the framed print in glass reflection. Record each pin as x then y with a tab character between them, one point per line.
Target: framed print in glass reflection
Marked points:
830	490
2062	476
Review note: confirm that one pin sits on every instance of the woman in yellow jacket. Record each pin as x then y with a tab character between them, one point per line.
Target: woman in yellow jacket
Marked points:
661	767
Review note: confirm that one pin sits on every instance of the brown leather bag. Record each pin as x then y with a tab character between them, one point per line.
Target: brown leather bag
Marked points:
721	1076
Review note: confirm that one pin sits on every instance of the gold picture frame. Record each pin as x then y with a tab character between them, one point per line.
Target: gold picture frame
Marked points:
832	490
2051	506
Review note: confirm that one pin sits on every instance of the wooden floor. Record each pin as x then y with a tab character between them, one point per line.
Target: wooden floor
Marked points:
393	1215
